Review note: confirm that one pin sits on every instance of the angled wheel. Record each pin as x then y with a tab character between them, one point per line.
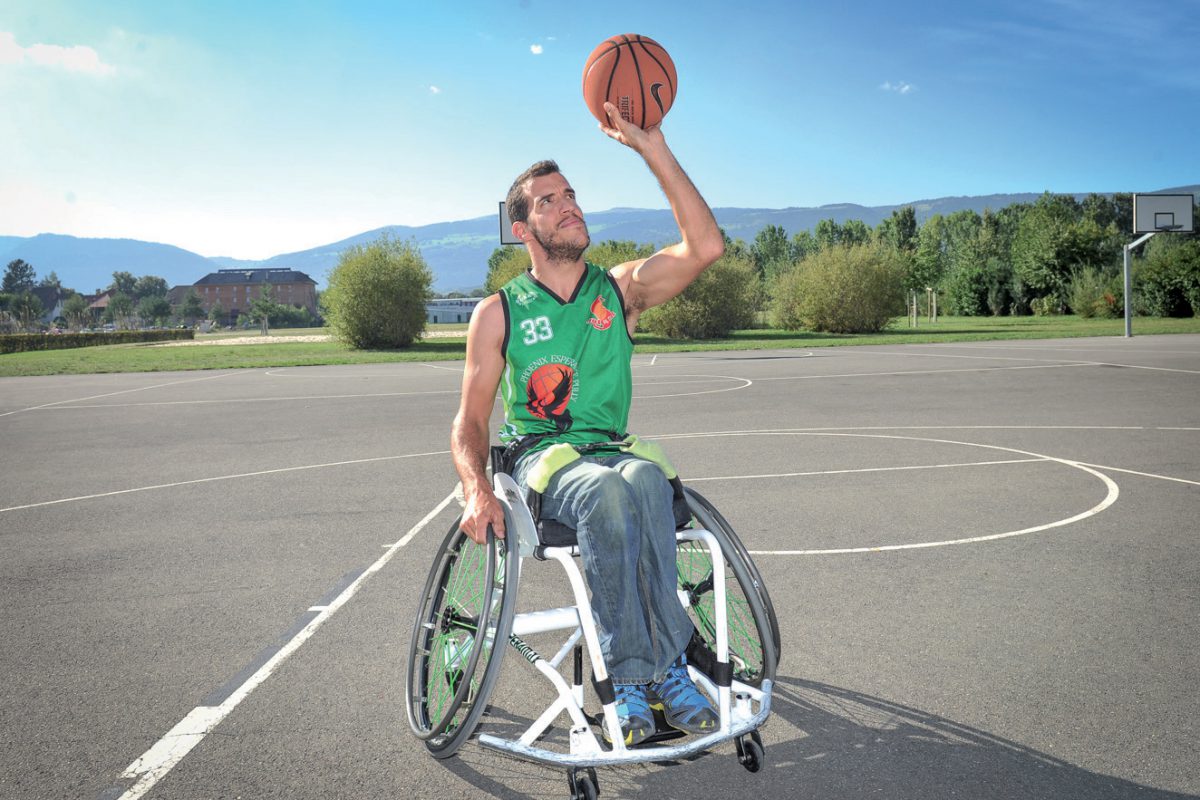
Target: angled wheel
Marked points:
462	627
753	627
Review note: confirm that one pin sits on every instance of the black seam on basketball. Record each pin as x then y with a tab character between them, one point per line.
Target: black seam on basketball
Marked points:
638	69
608	89
666	72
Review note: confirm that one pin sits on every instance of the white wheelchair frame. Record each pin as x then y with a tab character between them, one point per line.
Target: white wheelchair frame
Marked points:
742	708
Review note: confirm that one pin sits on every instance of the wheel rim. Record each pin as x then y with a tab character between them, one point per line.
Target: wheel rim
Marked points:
453	656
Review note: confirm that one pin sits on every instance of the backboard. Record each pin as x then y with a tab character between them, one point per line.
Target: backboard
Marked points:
1154	213
506	236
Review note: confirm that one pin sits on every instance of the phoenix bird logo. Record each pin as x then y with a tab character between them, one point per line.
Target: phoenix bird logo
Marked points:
601	317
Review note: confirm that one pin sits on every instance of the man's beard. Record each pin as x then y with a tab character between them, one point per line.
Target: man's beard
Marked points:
561	251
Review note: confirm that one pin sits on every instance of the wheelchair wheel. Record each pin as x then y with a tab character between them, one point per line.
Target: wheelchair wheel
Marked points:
753	627
458	641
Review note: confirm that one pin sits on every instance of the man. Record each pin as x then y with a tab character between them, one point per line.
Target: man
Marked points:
553	342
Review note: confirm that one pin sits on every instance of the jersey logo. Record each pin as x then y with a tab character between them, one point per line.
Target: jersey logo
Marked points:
601	317
525	298
549	392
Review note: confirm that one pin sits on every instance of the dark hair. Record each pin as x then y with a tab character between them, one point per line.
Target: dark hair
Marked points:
517	202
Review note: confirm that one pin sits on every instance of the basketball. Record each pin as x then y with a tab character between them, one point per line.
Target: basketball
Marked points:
635	74
549	390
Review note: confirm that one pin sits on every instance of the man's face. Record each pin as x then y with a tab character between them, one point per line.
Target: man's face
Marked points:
555	221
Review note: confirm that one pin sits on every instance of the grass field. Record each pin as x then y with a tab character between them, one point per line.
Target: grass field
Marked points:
291	348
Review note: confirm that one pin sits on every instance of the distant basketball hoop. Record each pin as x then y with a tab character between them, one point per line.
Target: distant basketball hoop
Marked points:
506	236
1154	213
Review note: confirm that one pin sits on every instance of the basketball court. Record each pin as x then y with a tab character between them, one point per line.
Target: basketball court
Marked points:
984	559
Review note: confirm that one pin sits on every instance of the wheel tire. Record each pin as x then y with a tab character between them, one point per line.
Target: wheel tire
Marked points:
753	627
459	638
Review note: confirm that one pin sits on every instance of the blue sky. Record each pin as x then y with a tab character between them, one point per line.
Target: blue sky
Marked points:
250	129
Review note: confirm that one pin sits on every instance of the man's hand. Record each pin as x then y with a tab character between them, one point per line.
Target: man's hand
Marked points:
629	134
482	510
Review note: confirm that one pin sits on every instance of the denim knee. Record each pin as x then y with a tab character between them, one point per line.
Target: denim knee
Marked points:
607	500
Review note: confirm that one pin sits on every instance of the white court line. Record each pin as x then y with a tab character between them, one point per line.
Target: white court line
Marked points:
221	478
865	469
1014	358
149	768
123	391
1142	474
1111	497
919	371
219	401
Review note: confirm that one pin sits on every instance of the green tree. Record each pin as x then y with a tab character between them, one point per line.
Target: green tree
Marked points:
515	260
191	309
377	294
929	262
51	281
75	308
154	309
150	286
18	277
27	310
120	310
216	313
611	252
771	251
263	308
802	245
723	299
1043	244
124	283
902	229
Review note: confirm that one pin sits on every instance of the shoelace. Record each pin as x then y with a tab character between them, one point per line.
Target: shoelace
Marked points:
631	701
680	693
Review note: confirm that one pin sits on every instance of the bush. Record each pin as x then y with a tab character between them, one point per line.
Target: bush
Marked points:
855	289
1092	294
1168	277
26	342
377	294
724	298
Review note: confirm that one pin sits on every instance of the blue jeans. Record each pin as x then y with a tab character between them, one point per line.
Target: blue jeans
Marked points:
620	506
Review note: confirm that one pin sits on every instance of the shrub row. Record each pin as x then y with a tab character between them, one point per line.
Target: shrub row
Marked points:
25	342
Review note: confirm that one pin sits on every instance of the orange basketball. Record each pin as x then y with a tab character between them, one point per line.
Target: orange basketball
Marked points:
635	74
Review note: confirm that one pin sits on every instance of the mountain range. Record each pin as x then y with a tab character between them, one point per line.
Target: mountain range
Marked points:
456	252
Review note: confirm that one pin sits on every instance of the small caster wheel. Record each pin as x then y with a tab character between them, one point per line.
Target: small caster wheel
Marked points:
750	751
583	783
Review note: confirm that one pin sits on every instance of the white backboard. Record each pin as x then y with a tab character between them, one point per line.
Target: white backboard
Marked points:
506	236
1162	212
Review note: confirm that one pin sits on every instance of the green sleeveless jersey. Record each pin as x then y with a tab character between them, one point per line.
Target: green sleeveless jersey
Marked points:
567	362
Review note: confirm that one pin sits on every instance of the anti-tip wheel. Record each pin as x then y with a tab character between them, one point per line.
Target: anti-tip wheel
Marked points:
750	751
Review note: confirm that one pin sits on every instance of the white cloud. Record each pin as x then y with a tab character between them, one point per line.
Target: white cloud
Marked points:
536	49
79	58
899	87
435	90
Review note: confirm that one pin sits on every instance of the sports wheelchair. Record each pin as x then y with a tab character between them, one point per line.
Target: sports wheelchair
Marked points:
467	613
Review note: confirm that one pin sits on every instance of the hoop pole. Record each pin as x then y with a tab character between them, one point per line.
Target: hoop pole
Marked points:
1129	248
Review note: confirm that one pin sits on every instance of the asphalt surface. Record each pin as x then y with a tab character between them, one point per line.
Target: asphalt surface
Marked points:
985	560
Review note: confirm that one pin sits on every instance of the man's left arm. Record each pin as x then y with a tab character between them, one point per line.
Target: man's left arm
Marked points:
668	272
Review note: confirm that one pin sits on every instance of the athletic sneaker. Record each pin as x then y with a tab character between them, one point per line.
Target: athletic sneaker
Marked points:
684	706
633	711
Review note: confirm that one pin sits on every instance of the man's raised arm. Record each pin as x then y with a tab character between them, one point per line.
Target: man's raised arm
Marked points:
668	272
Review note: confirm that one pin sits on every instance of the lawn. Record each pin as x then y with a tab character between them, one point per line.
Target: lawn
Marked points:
291	348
